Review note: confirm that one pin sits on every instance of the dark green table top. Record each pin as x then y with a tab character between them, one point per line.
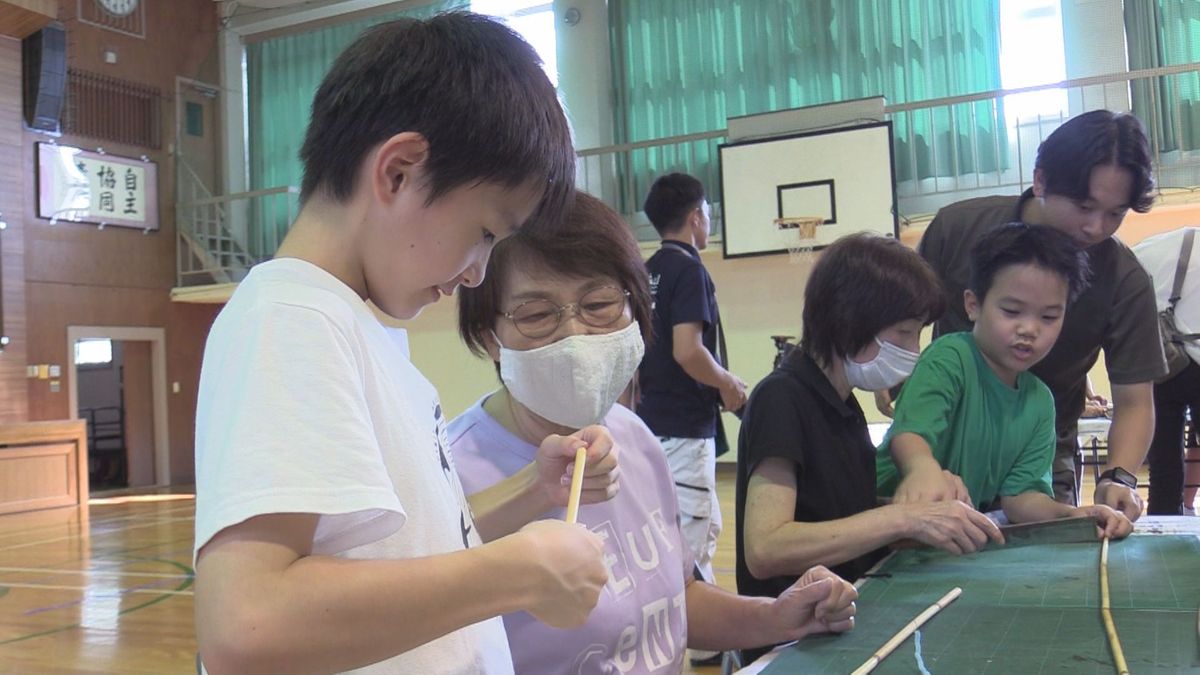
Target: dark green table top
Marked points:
1033	609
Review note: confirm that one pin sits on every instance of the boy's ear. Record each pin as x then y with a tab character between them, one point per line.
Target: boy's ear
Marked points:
971	303
398	162
691	223
1039	183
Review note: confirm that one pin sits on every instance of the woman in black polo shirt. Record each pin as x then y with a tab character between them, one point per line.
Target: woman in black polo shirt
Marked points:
806	466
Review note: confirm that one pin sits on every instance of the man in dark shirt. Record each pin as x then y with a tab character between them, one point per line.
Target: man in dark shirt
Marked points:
1088	174
683	385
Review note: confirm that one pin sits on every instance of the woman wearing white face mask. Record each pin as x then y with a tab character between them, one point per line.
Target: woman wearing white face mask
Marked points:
806	466
564	315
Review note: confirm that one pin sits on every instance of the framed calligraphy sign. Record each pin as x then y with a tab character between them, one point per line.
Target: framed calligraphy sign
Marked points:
90	187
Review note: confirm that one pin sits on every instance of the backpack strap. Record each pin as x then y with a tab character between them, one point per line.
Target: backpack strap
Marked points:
1185	256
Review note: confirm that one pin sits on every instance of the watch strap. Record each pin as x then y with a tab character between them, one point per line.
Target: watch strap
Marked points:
1120	476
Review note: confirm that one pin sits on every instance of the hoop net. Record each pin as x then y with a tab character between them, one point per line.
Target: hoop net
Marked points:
801	247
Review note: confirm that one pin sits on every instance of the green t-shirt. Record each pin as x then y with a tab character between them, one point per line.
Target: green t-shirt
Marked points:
998	439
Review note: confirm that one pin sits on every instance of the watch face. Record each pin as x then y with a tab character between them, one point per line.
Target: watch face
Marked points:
119	7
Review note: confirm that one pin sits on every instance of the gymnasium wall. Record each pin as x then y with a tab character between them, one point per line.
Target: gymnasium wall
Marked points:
14	396
75	274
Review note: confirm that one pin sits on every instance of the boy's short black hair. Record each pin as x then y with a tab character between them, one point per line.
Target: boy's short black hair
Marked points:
1022	244
592	240
671	198
1097	138
862	284
470	85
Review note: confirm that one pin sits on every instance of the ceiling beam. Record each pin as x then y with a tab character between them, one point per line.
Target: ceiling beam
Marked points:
22	18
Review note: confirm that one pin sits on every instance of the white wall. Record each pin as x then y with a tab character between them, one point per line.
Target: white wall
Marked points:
1094	44
585	71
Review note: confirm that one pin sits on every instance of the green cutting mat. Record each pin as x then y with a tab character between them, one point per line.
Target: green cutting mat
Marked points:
1033	609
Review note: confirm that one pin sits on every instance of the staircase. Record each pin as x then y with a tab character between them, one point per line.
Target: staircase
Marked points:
209	253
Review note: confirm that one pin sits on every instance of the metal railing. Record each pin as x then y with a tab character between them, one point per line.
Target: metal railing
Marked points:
214	223
946	149
950	148
112	109
222	237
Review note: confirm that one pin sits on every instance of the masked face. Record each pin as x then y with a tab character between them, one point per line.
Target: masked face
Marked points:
891	366
576	380
889	361
567	346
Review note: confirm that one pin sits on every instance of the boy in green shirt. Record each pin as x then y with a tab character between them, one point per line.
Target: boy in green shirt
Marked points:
972	408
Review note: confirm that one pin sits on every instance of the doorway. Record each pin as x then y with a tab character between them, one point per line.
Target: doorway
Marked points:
113	380
117	384
197	150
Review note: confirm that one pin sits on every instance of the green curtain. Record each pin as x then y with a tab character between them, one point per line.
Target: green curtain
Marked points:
685	66
282	75
1166	33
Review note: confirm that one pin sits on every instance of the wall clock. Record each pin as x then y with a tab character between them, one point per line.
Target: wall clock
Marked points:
118	7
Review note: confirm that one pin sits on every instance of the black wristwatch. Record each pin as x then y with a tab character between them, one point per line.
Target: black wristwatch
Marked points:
1119	476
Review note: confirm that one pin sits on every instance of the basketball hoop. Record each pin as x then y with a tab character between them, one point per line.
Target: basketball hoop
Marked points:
800	249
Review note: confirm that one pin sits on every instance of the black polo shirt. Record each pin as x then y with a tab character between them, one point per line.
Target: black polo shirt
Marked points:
1117	313
795	413
672	403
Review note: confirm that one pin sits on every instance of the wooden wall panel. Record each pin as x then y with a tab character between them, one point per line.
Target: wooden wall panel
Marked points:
14	402
61	305
115	257
180	41
139	412
187	331
55	306
77	275
19	18
43	465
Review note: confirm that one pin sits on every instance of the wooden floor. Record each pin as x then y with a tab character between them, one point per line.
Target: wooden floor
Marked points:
109	594
113	594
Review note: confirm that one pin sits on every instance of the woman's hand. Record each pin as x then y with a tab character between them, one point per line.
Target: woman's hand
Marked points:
556	464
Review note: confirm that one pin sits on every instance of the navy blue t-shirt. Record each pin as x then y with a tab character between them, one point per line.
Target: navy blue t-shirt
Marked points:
672	403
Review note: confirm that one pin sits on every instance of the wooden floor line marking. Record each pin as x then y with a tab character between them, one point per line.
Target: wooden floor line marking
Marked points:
92	597
161	596
97	573
56	587
74	525
28	544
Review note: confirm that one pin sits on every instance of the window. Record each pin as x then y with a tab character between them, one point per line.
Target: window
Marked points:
1031	53
533	20
96	353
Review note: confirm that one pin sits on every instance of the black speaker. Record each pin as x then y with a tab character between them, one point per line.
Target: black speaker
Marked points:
44	82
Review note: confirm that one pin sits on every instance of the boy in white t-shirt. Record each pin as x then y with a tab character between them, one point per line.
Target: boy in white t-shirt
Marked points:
332	532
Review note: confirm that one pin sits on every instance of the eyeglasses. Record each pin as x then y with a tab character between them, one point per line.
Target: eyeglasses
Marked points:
599	308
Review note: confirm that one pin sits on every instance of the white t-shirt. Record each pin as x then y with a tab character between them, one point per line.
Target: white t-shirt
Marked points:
1160	256
309	405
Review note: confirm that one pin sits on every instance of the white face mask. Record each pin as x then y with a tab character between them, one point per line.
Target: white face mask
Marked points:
891	366
575	381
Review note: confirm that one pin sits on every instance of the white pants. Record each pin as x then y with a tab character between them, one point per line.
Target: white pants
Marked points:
693	463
